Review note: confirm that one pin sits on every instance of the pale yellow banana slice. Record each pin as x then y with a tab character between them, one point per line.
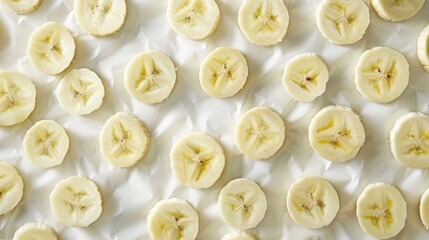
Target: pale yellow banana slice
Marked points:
260	133
381	210
197	160
193	19
264	22
11	188
409	140
80	92
51	48
223	72
173	219
336	133
424	208
17	97
242	203
100	17
150	77
305	77
343	21
76	202
239	236
312	202
35	231
124	140
22	6
382	74
397	10
423	48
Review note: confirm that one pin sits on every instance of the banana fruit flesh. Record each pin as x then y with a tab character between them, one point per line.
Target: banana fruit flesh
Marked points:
35	231
239	236
424	208
397	10
22	6
11	187
423	48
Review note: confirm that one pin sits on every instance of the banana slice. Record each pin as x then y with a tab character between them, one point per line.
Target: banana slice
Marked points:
46	144
305	77
223	72
312	202
193	19
336	133
100	17
239	236
397	10
424	208
80	92
17	97
423	48
124	140
260	133
150	77
51	48
381	210
22	6
263	22
197	160
242	203
409	140
11	188
381	74
35	231
76	202
173	219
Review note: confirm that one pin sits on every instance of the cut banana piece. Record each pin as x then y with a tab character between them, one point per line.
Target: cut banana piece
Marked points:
150	77
35	231
51	48
424	208
11	188
264	22
336	133
409	140
22	6
305	77
17	97
312	202
76	202
223	72
197	160
242	203
423	48
80	92
239	236
124	140
260	133
397	10
46	144
381	210
100	17
173	219
381	74
193	19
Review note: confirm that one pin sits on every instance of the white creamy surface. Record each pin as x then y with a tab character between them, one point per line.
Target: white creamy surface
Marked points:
128	194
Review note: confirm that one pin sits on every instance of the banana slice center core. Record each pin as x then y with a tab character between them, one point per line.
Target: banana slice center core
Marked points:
379	214
417	143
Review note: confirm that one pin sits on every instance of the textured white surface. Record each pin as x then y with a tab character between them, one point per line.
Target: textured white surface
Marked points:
129	194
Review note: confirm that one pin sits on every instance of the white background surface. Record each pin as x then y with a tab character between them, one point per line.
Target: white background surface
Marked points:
128	194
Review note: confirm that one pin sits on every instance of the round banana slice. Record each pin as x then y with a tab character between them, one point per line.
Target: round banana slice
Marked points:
150	77
397	10
223	72
17	97
409	140
46	144
312	202
263	22
424	208
11	188
336	133
22	6
260	133
100	17
35	231
193	19
381	74
80	92
124	140
51	48
305	77
242	203
239	236
197	160
76	202
423	48
381	210
173	219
